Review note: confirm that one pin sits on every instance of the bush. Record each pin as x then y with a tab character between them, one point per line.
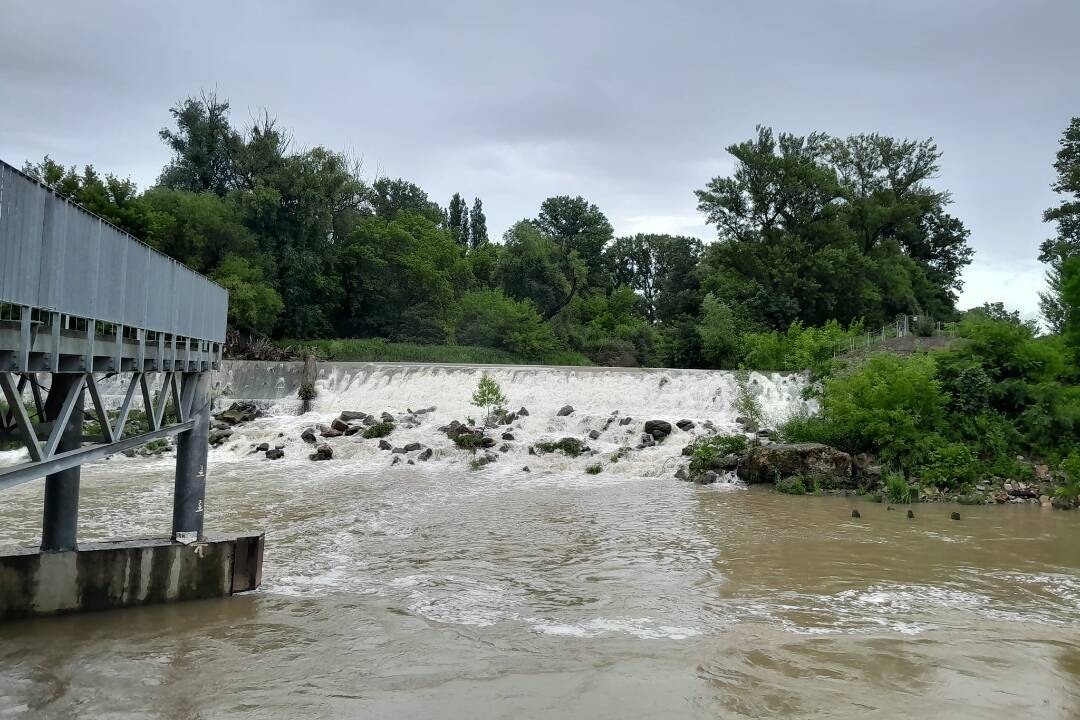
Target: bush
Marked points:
490	318
1070	489
568	445
378	430
705	451
949	465
469	441
884	405
897	489
791	485
594	469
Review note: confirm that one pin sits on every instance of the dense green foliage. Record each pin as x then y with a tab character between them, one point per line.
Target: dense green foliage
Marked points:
705	451
379	350
954	416
1065	244
567	445
378	430
815	236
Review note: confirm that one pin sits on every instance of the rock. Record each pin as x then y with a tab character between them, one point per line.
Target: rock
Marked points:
384	444
331	433
347	415
1020	490
709	425
507	436
1042	471
532	450
339	425
866	469
412	462
681	473
911	514
594	434
765	433
426	454
396	460
308	436
505	447
240	412
955	515
386	417
369	421
647	440
413	446
565	410
1061	503
522	412
398	451
1001	497
487	442
353	429
1044	500
741	420
856	514
262	447
275	454
526	469
626	420
659	429
322	452
766	463
508	419
707	478
685	425
217	437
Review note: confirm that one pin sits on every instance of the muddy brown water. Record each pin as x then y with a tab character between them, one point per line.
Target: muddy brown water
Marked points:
439	593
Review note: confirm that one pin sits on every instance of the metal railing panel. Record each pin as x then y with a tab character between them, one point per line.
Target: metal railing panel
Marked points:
57	256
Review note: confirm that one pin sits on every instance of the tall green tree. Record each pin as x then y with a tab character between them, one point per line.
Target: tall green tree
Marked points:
458	219
578	227
533	266
204	146
1065	244
659	268
389	198
478	233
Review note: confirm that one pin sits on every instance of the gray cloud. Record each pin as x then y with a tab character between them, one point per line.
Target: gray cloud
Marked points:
628	103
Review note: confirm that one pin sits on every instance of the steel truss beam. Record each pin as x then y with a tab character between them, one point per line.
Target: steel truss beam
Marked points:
44	458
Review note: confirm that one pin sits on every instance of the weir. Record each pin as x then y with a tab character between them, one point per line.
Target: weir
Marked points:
81	301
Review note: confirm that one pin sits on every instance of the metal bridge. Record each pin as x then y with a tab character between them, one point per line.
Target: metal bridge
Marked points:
81	300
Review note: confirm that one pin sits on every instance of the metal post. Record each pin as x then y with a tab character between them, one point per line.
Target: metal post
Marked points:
60	524
191	452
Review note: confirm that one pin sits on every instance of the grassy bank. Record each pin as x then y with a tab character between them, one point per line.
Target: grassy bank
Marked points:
376	350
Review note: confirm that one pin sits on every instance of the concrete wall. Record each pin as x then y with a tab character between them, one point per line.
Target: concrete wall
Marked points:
102	576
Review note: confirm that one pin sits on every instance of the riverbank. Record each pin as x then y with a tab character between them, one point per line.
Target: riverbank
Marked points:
377	350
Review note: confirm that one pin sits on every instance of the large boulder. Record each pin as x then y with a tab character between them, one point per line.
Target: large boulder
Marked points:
769	463
322	452
564	411
239	412
659	429
348	415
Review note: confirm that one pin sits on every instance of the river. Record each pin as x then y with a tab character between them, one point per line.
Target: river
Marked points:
435	591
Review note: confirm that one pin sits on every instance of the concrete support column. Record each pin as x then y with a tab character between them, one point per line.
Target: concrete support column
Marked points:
191	451
60	524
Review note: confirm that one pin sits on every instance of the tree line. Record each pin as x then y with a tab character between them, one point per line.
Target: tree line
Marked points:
811	231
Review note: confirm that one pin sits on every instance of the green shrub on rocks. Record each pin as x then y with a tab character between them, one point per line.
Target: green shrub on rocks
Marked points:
568	446
704	452
469	441
897	489
594	469
378	430
795	485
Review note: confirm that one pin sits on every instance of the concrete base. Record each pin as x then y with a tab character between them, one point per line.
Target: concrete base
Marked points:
102	576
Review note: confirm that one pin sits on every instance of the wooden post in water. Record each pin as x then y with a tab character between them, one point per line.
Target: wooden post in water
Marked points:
307	383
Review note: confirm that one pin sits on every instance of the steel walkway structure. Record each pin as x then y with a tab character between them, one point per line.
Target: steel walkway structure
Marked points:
81	300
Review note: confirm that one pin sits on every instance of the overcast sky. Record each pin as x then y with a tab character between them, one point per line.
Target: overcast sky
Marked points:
630	104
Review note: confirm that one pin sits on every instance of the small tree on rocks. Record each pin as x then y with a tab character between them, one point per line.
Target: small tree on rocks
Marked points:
488	396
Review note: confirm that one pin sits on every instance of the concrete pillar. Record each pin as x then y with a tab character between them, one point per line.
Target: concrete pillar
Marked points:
60	524
191	451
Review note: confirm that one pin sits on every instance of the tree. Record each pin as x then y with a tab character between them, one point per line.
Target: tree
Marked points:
113	198
1065	244
478	234
253	305
489	396
815	228
579	227
1070	302
534	267
458	220
659	268
489	318
392	197
198	229
204	146
719	330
